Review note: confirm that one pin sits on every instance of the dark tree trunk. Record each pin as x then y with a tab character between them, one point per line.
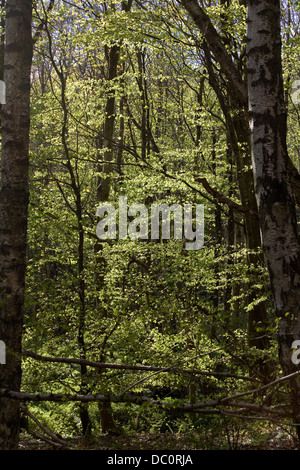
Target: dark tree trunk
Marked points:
108	131
13	206
104	187
113	56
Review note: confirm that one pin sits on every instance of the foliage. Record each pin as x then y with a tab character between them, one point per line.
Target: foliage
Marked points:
129	301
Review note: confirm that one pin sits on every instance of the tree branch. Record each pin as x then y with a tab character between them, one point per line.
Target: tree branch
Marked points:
225	200
102	365
42	24
238	88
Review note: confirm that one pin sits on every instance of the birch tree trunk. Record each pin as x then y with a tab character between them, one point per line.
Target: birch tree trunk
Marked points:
13	206
234	104
275	200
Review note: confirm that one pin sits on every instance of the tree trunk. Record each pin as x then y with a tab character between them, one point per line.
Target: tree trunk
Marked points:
276	205
113	56
238	141
104	186
14	197
108	131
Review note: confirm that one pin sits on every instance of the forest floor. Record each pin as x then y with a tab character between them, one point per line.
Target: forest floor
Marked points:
165	441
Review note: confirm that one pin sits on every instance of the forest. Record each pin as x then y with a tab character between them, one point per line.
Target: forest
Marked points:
149	224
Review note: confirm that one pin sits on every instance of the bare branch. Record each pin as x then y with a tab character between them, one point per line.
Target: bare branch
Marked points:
43	22
103	365
226	200
54	440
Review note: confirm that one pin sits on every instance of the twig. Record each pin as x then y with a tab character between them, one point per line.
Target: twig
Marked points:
263	387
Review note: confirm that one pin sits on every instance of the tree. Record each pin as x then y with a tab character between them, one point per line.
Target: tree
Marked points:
141	103
230	88
14	196
275	198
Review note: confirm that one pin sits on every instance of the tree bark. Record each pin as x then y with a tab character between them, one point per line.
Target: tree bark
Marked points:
108	131
14	195
276	205
113	56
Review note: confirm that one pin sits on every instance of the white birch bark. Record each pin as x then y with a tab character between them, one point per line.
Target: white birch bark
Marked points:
275	200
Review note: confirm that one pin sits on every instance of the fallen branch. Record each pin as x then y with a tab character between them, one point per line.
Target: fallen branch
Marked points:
49	441
207	407
52	439
103	365
263	387
64	398
218	406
